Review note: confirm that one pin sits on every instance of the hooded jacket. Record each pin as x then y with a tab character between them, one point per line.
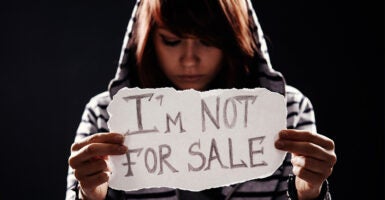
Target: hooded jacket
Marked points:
280	185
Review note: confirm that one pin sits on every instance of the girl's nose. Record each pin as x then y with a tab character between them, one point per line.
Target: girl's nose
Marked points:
190	56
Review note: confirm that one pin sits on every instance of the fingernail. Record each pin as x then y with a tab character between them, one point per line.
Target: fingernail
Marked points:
283	133
119	137
123	149
279	144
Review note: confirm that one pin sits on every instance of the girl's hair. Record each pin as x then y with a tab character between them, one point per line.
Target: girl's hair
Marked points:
221	23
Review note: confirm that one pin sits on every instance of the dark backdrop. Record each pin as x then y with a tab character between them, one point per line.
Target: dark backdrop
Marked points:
55	55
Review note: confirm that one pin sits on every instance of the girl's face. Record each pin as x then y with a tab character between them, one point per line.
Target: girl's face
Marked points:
188	62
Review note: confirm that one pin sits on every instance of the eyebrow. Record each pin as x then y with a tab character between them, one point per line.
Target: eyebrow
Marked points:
165	29
166	32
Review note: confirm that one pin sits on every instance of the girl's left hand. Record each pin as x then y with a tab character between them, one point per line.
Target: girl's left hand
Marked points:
313	158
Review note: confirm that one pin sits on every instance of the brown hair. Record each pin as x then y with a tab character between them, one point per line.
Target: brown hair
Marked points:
223	23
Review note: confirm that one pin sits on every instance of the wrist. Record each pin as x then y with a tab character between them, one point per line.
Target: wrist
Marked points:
97	194
292	193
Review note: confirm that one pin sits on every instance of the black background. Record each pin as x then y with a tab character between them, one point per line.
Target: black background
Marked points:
55	55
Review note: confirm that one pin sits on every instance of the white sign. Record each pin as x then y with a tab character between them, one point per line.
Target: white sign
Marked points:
195	140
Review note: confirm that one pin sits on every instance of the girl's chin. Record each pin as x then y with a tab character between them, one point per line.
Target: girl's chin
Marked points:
190	87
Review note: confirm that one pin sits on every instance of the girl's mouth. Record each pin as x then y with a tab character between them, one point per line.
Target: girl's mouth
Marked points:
190	78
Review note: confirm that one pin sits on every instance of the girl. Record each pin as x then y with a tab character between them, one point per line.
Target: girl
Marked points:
201	45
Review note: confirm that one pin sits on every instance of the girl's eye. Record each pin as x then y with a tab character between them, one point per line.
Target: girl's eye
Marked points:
206	43
170	42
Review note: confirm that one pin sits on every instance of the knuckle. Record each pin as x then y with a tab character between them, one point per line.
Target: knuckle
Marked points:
75	146
93	138
89	149
310	147
332	160
324	176
77	175
96	137
308	134
102	163
74	161
330	144
98	163
102	177
71	161
330	171
84	184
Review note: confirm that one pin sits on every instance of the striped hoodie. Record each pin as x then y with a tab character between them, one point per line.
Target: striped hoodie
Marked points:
300	115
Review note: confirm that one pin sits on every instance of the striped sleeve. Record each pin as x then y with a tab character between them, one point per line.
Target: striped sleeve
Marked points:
300	112
300	115
95	116
93	120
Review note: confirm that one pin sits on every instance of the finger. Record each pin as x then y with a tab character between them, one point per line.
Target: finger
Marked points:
306	136
313	165
309	176
95	150
94	180
90	169
307	149
113	138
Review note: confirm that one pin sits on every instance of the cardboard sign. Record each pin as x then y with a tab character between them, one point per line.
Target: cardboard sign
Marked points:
195	140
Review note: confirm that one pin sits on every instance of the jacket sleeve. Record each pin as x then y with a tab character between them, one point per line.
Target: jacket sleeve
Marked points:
93	120
300	111
301	116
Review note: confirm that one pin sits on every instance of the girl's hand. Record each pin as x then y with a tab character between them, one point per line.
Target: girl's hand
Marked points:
313	158
89	160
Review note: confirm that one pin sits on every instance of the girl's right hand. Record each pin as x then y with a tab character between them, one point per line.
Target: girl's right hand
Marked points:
89	161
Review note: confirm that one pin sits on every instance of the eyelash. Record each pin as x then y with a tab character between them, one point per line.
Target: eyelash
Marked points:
206	43
172	43
169	42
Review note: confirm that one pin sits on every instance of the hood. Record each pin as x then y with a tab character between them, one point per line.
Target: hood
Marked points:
266	75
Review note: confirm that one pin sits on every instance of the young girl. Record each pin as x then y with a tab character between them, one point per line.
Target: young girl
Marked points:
203	45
